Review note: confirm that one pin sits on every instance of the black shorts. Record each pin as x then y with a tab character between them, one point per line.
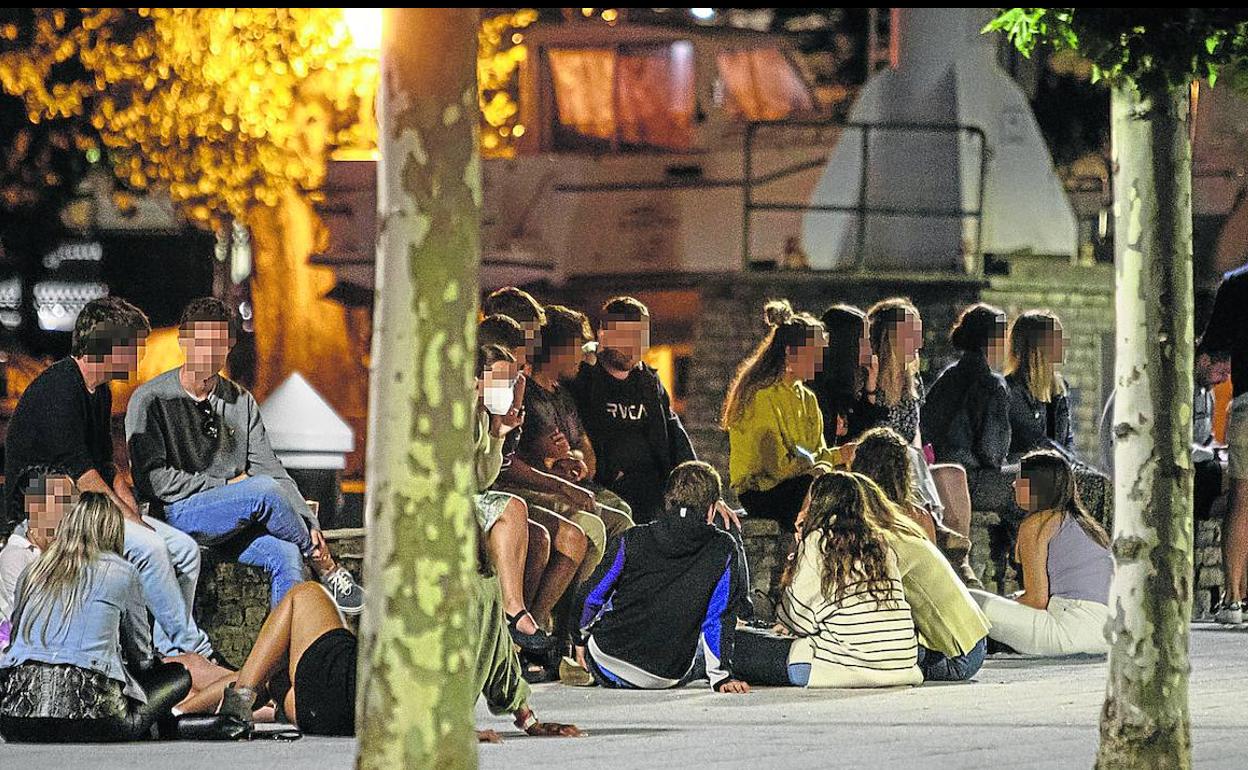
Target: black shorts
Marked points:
325	684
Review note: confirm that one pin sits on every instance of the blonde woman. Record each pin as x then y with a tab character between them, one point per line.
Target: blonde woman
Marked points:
1040	404
896	339
81	666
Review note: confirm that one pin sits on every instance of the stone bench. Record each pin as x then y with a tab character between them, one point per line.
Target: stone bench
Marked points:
232	599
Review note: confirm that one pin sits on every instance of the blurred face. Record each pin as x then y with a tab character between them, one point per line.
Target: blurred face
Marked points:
864	348
1210	372
532	339
1055	341
807	361
122	360
622	344
997	346
46	505
497	385
565	359
910	335
206	345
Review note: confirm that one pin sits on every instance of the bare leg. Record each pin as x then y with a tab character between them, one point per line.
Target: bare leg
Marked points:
302	617
508	543
536	561
568	545
955	495
1235	542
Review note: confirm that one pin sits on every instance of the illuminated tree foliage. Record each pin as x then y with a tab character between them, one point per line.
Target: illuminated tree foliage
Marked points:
211	105
500	50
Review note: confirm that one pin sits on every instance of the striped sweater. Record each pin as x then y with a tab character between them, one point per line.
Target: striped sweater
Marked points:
856	642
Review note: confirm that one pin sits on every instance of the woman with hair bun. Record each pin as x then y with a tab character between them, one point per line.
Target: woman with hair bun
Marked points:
775	427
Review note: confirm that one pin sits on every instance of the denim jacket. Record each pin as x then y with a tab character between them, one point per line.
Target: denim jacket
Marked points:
109	631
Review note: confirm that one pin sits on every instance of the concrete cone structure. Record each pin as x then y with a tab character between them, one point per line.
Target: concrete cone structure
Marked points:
303	429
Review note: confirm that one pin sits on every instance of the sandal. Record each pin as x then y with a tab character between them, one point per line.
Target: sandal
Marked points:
536	643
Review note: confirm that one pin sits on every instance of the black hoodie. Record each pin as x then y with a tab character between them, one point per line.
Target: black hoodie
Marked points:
663	590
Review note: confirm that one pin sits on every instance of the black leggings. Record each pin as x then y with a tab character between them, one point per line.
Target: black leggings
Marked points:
166	685
781	503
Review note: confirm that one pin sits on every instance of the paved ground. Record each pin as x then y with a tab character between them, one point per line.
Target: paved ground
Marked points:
1019	713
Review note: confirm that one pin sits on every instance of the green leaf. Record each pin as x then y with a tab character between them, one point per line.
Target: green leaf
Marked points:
1211	43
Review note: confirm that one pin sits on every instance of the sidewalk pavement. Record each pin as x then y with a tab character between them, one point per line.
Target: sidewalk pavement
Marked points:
1019	713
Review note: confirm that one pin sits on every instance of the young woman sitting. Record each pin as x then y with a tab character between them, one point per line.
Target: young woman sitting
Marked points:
1066	568
81	666
844	601
775	428
953	633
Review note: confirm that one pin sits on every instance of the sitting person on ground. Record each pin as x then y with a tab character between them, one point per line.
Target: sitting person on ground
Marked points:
504	518
1066	568
201	457
847	385
637	437
574	542
775	428
1211	370
64	419
659	611
896	330
554	450
305	659
953	632
843	600
47	495
1040	405
885	458
81	666
967	414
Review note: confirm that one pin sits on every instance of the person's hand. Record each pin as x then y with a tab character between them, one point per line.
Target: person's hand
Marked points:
570	468
873	373
502	424
847	453
559	444
488	736
579	498
320	548
735	687
553	730
728	518
517	401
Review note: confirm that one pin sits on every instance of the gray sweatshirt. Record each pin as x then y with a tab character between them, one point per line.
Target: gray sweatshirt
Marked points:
173	454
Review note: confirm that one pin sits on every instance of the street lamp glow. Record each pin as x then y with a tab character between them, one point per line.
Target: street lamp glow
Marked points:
364	28
702	14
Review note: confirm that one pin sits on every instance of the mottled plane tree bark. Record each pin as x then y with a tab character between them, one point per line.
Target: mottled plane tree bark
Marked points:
416	694
1150	58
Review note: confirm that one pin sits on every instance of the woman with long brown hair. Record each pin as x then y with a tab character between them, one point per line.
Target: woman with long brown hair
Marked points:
1066	567
844	601
896	339
81	665
1040	415
775	428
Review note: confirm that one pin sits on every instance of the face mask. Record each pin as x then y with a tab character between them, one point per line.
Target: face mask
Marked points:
498	399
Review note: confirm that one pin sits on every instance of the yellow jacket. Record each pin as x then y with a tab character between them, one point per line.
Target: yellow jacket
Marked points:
765	439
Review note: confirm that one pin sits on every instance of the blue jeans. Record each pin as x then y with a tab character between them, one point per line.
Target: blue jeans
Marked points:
260	509
168	565
937	667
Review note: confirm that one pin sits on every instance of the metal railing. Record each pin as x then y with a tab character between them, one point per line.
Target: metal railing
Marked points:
863	208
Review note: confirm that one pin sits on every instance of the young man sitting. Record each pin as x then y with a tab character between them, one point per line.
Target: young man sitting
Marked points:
659	610
200	453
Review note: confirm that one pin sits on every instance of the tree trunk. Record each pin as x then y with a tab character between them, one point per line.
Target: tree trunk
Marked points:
416	695
1144	723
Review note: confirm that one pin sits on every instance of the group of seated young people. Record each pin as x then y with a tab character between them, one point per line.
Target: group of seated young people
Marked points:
600	532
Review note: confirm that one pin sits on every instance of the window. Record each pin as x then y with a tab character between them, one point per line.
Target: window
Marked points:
761	84
629	97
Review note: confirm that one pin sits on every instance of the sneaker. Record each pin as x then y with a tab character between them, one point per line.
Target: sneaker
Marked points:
572	675
1230	614
346	592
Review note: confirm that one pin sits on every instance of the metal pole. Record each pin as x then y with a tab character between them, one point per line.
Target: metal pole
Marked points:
747	194
862	197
